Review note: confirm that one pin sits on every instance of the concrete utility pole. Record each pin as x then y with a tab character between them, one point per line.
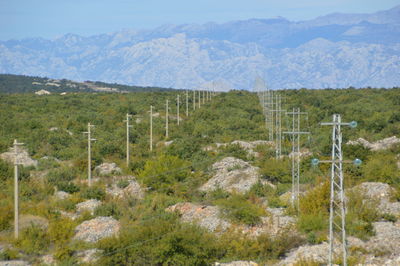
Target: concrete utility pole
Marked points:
295	135
194	100
187	103
89	153
16	190
177	110
127	137
166	120
337	211
151	127
204	98
199	99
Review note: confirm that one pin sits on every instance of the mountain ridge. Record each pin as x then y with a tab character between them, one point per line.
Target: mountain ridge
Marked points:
361	51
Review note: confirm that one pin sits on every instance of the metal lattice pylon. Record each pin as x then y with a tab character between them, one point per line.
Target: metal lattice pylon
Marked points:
295	136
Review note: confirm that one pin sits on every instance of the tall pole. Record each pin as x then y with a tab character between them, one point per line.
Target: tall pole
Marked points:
177	109
295	135
166	120
128	126
199	99
90	126
16	190
204	98
151	127
187	103
194	100
337	211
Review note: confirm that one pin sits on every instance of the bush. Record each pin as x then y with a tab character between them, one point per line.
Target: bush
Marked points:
382	168
93	193
61	231
8	254
109	209
7	214
276	171
316	201
33	240
6	171
61	177
163	172
68	187
123	183
240	210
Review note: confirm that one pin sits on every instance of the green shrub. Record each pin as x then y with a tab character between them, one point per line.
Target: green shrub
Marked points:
93	193
62	177
61	231
123	183
8	254
6	171
7	214
316	201
163	172
382	168
68	187
33	240
240	210
276	171
109	209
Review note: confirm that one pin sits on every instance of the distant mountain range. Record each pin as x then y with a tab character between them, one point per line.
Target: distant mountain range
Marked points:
336	51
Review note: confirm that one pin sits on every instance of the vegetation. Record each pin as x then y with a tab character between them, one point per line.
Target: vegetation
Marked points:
51	127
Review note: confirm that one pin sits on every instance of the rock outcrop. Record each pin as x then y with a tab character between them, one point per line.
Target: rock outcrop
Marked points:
89	205
232	175
209	217
61	195
14	263
107	169
237	263
383	144
88	256
380	192
248	146
133	189
22	157
96	229
205	216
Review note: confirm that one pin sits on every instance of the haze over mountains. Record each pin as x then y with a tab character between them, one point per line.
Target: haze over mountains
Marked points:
336	51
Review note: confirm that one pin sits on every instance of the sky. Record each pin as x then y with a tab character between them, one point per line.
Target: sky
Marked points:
53	18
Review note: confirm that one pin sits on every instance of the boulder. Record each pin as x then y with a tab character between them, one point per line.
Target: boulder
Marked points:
48	260
237	263
133	189
26	220
248	146
22	157
232	175
88	256
14	263
312	253
96	229
89	205
107	169
383	144
205	216
61	195
381	192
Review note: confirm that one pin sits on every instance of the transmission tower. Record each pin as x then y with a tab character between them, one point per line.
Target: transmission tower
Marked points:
337	210
277	112
16	190
199	99
295	135
89	133
194	100
128	126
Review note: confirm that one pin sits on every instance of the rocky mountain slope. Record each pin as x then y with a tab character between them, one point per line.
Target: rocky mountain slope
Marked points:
337	50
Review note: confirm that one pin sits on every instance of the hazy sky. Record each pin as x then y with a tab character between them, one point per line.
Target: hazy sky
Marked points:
52	18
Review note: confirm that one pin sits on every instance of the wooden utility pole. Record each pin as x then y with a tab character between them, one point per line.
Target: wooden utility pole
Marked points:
166	120
127	137
16	190
89	153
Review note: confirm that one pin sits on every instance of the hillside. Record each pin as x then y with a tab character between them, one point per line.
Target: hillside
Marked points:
333	51
213	191
27	84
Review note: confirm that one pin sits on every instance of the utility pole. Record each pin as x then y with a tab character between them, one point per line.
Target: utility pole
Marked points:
187	103
295	135
194	100
199	99
166	120
337	210
177	109
16	190
204	98
89	133
151	127
127	137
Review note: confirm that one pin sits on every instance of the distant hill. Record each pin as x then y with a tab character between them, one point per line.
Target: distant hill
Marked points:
26	84
332	51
